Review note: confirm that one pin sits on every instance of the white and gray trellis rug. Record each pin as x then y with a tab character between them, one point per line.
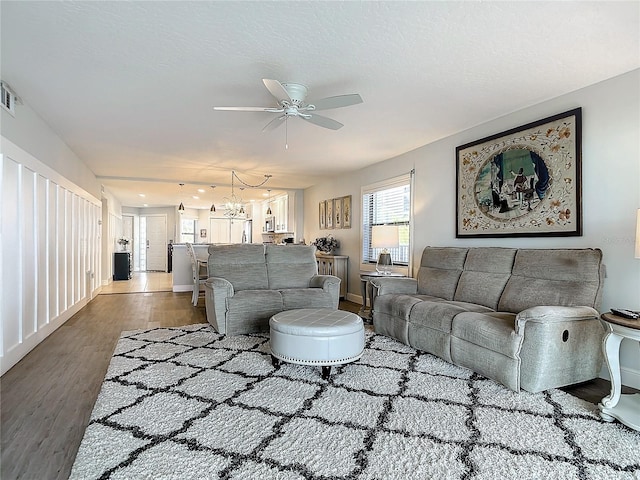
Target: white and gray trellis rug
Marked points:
181	403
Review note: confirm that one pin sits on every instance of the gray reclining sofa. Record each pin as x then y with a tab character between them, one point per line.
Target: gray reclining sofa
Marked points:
248	283
526	318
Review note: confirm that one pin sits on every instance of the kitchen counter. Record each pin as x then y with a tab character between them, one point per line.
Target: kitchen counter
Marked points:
182	272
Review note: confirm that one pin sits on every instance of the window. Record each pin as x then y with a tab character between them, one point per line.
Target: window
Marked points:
188	230
387	203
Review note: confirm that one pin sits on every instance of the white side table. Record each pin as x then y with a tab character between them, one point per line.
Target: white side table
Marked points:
625	408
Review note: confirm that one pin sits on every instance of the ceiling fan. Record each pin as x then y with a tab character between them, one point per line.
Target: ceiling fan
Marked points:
291	103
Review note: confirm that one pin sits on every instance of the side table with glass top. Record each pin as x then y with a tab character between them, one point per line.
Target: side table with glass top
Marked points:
625	408
366	289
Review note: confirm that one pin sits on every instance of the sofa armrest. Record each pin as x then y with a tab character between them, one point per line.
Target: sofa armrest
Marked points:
553	314
324	281
328	283
216	291
385	286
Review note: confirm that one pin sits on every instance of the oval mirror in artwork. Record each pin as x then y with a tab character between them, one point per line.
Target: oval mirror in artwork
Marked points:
511	184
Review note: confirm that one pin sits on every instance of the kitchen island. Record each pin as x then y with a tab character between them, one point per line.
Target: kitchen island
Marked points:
181	265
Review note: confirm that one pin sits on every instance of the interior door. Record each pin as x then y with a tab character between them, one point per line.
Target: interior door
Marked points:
157	243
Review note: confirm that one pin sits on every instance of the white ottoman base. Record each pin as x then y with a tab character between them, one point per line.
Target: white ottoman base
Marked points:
319	337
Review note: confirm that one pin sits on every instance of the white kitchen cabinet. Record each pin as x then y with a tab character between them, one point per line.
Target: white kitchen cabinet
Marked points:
280	208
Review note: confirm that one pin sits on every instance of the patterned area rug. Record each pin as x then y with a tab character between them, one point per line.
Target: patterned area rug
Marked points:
187	403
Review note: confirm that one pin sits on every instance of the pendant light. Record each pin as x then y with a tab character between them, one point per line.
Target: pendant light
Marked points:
269	203
234	206
212	210
181	207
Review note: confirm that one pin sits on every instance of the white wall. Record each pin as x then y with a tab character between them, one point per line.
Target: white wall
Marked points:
34	136
50	234
50	251
610	192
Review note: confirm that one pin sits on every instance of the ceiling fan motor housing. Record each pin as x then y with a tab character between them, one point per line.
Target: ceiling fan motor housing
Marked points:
297	92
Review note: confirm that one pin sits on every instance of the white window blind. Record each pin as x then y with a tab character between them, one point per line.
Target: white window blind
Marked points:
387	203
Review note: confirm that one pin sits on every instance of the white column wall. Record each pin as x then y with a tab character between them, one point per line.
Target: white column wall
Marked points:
49	251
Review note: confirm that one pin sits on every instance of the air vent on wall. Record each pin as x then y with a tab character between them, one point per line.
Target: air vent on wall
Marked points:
8	99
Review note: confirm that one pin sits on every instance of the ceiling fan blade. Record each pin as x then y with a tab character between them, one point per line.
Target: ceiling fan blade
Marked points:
322	121
338	101
251	109
277	90
273	124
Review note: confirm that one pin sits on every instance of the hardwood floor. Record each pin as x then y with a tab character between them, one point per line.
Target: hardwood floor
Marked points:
47	398
141	282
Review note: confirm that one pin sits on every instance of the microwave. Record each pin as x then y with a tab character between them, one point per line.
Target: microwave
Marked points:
270	224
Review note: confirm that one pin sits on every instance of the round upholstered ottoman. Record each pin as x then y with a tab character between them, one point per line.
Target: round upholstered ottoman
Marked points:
316	336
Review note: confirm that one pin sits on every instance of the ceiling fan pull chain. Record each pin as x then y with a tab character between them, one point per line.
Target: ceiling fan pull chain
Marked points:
286	133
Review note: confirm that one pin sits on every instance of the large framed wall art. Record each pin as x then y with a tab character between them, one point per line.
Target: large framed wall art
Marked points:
524	182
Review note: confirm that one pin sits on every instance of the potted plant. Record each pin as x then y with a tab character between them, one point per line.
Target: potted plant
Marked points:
123	242
326	244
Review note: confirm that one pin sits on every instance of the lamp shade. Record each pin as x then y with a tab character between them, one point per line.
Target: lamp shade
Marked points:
638	235
385	236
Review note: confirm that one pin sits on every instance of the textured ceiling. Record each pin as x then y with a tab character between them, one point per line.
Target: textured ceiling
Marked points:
130	86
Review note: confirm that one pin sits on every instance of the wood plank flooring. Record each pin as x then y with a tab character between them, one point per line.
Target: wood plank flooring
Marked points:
47	398
141	282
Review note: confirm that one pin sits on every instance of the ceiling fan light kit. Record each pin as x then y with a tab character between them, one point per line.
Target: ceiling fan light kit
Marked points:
291	103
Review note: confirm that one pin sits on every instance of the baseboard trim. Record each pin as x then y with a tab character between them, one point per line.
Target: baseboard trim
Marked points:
182	288
17	352
630	376
352	297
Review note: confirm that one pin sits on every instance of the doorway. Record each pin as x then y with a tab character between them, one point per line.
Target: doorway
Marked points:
153	243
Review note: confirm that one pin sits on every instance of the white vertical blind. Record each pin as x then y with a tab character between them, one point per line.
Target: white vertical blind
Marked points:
387	203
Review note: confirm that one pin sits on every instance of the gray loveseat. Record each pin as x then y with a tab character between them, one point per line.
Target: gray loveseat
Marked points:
526	318
249	283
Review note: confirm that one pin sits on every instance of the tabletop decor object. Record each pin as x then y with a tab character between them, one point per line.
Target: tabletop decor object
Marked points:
123	242
385	237
326	244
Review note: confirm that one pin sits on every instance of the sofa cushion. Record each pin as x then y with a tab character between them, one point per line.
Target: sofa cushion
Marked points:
494	331
242	265
290	266
395	305
563	277
295	298
486	272
437	315
440	269
250	310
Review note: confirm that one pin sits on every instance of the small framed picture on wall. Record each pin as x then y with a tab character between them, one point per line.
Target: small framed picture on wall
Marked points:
346	211
337	212
329	223
322	215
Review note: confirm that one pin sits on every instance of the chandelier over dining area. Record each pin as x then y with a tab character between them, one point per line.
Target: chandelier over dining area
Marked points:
234	205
